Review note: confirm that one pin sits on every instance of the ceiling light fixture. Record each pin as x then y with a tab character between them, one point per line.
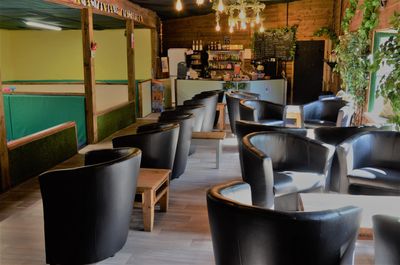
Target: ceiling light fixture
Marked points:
42	25
240	12
199	2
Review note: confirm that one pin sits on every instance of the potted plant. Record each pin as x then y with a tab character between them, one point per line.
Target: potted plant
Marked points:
389	85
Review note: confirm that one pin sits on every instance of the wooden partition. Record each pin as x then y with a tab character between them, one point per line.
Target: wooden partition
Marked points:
36	153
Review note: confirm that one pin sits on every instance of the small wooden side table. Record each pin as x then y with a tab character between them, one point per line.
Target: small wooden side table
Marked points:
153	187
221	118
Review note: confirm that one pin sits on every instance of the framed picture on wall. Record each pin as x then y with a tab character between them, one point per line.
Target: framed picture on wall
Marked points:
164	65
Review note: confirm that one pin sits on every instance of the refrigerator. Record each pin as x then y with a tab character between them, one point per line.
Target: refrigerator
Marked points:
175	56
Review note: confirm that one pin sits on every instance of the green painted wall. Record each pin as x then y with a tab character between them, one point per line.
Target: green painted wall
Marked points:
57	55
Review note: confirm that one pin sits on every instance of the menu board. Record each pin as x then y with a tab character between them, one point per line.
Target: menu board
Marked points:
277	44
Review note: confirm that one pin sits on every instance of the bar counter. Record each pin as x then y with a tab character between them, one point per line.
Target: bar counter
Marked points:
273	90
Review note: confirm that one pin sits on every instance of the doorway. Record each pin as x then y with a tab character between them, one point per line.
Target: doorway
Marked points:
308	71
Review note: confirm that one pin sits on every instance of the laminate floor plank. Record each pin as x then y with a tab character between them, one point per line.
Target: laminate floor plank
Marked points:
181	236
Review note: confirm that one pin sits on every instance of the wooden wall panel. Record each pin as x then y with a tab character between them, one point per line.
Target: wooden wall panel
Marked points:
309	15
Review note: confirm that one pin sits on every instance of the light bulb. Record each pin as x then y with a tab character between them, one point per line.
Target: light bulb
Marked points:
262	29
231	30
252	24
178	5
242	14
221	6
218	27
243	25
258	20
199	2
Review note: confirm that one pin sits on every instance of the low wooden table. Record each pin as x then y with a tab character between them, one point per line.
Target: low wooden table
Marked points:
210	138
371	205
153	187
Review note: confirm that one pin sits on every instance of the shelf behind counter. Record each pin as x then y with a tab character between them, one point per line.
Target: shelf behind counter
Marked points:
271	90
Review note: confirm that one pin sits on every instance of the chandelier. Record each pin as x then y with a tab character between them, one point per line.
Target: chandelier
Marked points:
241	13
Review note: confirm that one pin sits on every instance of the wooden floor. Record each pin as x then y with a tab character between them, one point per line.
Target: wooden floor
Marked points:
180	237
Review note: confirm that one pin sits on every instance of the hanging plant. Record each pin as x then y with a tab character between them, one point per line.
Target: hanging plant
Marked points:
330	33
353	52
389	85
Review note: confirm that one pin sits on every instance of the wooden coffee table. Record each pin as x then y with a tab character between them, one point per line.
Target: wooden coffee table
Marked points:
152	187
371	205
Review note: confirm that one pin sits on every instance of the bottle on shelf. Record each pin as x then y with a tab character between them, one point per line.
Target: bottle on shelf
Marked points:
219	46
193	46
201	46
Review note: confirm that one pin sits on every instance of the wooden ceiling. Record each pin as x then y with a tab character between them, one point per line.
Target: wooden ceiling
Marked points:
165	9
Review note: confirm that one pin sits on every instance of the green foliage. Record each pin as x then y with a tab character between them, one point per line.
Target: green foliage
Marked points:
389	85
353	53
349	14
330	33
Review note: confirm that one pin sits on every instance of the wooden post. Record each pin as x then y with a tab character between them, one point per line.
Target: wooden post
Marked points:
130	52
154	52
4	161
88	68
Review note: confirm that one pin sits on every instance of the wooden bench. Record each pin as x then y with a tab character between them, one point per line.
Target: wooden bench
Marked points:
152	187
210	139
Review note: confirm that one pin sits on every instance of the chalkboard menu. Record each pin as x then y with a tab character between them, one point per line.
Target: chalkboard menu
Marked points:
275	43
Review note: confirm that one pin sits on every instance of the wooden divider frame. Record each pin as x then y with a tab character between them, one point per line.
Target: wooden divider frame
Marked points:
4	160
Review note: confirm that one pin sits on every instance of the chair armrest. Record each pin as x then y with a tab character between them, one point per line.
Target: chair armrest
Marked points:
258	172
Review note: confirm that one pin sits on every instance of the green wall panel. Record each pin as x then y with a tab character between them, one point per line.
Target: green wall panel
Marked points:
33	113
113	121
38	156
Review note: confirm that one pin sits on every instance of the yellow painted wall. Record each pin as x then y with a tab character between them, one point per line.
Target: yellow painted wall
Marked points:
143	53
57	55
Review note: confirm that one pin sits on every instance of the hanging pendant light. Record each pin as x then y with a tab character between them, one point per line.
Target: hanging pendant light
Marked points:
218	27
258	19
221	6
243	25
262	29
178	5
199	2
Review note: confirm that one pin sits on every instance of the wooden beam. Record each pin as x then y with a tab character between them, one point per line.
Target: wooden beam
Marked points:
89	78
122	9
130	52
4	161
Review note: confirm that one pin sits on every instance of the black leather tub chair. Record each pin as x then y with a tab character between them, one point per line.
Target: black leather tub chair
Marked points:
221	94
232	103
198	112
335	136
246	235
185	121
87	210
371	163
210	103
386	239
245	127
261	111
282	165
157	141
328	112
